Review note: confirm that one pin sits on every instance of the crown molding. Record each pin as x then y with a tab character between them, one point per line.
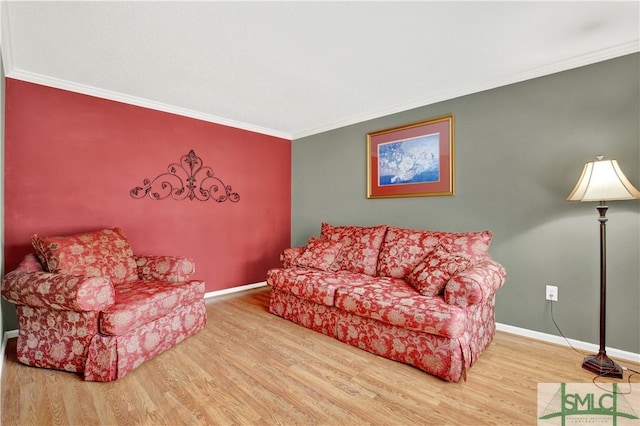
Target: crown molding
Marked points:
44	80
575	62
5	39
565	65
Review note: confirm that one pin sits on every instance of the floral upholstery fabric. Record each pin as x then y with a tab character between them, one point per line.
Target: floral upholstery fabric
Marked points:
431	275
172	269
312	284
360	246
440	356
30	263
103	253
94	319
475	285
56	339
393	301
404	248
372	305
140	302
289	255
319	253
112	357
57	291
304	312
472	245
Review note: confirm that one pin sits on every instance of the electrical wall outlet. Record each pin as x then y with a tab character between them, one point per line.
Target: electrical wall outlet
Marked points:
551	293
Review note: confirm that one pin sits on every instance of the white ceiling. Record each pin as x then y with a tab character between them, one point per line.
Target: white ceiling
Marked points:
292	69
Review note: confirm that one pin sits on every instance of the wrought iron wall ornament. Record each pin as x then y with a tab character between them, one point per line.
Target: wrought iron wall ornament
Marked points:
186	179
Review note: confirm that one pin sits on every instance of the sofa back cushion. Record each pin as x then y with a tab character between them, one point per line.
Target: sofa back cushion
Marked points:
404	248
319	253
472	245
104	253
360	246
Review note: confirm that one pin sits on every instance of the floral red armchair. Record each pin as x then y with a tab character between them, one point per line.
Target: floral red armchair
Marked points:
86	304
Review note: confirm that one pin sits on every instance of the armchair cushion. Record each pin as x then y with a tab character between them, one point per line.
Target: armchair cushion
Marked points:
97	253
141	302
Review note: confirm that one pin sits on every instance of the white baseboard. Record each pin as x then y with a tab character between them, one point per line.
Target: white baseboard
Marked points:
7	335
559	340
231	290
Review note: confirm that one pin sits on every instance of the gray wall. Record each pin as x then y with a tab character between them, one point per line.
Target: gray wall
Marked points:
519	151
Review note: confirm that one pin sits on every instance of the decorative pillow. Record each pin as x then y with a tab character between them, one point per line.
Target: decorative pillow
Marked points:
360	246
403	249
104	253
430	276
319	253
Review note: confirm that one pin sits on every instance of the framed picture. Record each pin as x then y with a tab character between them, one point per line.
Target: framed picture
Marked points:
414	160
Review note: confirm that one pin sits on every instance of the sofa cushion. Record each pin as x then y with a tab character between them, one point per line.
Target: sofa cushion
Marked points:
313	284
403	248
140	302
430	276
360	246
319	253
473	245
393	301
103	253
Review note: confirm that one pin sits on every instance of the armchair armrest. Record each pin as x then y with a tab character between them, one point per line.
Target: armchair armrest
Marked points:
476	284
173	269
289	255
58	291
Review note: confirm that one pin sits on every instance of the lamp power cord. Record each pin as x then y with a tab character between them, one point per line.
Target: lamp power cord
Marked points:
624	367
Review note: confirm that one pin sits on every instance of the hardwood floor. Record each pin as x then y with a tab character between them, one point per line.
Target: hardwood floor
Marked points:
249	367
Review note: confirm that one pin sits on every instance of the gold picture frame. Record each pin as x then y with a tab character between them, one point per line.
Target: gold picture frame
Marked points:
413	160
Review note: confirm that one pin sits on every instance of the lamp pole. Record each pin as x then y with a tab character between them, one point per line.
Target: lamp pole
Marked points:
601	364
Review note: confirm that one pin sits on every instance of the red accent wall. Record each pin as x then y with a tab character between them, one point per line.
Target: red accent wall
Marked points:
71	160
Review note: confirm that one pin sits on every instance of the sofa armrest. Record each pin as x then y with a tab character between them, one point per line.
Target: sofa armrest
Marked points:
173	269
58	291
289	255
476	284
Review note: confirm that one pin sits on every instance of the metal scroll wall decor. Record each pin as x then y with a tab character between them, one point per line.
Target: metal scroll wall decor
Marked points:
186	179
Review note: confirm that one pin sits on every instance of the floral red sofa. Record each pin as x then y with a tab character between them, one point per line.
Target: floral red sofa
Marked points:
86	304
424	298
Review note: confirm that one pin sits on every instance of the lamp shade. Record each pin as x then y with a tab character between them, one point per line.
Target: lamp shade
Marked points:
603	180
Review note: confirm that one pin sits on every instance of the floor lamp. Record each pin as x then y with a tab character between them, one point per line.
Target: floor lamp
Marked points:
602	181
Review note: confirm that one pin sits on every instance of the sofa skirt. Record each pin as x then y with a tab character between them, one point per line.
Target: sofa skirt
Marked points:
446	358
319	318
440	356
111	357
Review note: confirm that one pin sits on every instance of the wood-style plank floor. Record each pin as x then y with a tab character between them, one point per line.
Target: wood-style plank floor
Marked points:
249	367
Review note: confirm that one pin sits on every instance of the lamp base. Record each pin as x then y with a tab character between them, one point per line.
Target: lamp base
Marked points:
602	365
